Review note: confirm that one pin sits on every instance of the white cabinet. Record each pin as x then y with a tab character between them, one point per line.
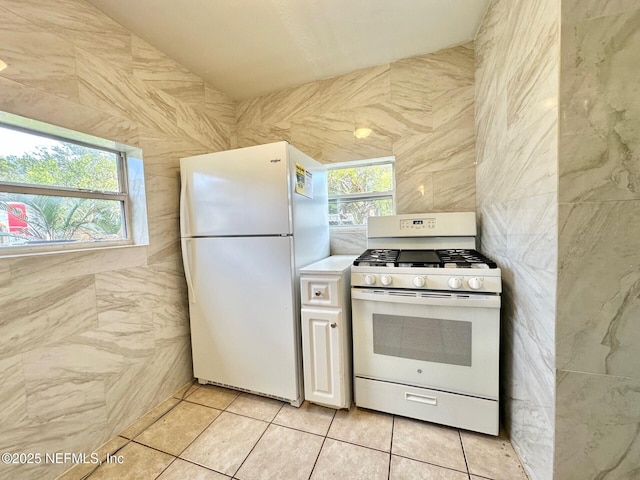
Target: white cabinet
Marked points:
326	331
323	365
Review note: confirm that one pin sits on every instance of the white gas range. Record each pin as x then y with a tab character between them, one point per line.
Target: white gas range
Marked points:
426	321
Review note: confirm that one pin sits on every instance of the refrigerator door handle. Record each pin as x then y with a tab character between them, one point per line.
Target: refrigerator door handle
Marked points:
183	204
187	268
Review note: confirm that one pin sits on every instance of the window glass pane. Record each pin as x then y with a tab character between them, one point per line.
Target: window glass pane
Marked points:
35	160
355	212
365	179
38	219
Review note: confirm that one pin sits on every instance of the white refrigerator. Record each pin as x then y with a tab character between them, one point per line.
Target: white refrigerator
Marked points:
249	219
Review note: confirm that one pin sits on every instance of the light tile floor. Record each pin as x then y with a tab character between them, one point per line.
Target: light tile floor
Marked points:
210	433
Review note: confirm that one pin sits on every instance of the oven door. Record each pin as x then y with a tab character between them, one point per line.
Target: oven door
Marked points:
443	341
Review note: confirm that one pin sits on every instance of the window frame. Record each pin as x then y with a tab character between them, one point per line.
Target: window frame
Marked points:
365	196
39	129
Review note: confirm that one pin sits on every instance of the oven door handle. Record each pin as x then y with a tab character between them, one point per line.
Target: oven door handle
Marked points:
420	297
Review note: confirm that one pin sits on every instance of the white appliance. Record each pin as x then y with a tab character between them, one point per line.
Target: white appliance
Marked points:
426	321
249	219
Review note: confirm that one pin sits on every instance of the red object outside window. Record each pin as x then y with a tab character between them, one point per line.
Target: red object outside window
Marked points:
17	216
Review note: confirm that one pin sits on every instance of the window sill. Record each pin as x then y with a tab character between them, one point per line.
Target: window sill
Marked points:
348	227
34	251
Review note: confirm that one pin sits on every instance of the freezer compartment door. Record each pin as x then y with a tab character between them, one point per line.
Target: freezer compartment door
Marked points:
237	192
244	324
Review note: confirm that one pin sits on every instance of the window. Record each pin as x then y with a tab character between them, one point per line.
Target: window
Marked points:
360	189
64	191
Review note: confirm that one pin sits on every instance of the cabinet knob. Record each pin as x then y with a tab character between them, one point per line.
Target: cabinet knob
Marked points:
334	325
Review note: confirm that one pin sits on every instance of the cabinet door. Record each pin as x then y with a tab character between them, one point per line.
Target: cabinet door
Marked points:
322	338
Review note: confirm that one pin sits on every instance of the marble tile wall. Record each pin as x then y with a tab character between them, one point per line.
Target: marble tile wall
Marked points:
420	110
92	340
516	118
598	338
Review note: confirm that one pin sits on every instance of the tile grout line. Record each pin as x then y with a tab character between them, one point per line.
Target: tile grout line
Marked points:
335	412
259	438
363	446
393	427
464	455
300	430
166	468
432	464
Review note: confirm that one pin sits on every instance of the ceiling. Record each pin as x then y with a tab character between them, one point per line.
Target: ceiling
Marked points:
250	47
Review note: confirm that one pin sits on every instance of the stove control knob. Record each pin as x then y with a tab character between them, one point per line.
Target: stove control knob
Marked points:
370	279
386	279
455	282
475	283
419	281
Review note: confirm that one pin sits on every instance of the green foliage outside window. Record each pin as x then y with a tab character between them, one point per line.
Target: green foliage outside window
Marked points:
64	165
352	193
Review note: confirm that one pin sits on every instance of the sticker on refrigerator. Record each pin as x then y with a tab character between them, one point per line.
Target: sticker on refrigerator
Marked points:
304	181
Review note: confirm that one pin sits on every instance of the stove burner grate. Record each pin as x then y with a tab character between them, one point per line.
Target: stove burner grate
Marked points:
463	258
447	258
378	258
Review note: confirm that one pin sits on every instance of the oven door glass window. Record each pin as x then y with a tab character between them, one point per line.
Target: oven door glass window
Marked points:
418	338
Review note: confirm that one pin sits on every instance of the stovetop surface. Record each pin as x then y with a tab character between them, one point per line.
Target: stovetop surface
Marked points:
444	258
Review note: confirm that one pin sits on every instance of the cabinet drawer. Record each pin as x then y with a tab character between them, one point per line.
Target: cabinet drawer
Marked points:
321	292
460	411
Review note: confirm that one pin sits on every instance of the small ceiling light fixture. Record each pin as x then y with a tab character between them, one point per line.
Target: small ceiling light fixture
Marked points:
362	132
2	65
